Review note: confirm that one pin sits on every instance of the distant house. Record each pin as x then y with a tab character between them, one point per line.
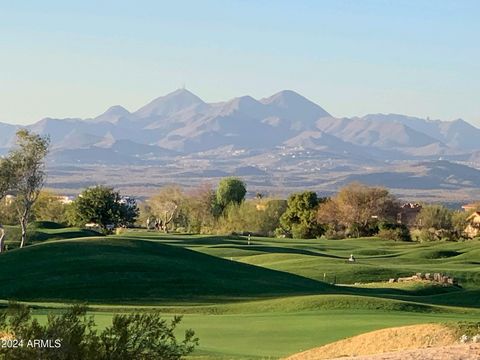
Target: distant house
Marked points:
473	228
9	199
64	199
471	207
92	225
408	214
95	226
261	205
128	201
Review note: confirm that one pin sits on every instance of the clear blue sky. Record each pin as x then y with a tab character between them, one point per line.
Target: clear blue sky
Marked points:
355	57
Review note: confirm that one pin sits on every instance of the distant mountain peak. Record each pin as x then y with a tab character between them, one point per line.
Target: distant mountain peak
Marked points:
113	114
171	103
293	103
285	95
182	92
245	105
116	110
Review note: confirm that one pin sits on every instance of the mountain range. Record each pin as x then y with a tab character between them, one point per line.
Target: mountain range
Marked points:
182	123
283	131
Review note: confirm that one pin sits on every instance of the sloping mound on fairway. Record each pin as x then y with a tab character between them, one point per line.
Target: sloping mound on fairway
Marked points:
114	270
310	303
383	341
44	231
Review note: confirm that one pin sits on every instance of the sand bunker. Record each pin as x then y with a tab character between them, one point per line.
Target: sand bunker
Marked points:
452	352
386	341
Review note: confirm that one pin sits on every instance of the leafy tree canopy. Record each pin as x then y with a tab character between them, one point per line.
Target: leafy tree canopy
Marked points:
299	219
104	206
230	190
357	207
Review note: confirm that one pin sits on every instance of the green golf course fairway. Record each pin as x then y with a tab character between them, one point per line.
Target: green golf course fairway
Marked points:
265	300
275	334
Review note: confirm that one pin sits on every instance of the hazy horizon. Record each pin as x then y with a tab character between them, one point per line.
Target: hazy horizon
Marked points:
352	58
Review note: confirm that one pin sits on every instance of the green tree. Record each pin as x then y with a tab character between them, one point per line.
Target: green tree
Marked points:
73	335
299	219
395	232
8	213
240	218
28	163
434	217
103	206
200	208
230	190
459	223
48	207
258	217
270	219
357	209
6	183
435	222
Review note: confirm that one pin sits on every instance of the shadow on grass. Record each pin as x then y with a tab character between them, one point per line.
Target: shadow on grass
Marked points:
278	250
188	239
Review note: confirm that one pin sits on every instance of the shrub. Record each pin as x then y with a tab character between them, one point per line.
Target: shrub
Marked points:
300	216
301	231
427	235
247	217
399	234
73	335
333	234
395	232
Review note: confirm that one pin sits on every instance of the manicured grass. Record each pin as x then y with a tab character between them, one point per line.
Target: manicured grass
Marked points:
270	335
259	301
136	271
44	231
377	261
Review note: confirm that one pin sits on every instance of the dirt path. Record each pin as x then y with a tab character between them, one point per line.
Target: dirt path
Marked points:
384	341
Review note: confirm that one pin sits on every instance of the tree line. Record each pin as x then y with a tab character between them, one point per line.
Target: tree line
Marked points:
356	210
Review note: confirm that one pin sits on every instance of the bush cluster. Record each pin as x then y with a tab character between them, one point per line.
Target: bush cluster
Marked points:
73	335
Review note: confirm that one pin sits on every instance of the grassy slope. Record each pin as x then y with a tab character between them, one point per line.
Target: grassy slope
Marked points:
122	270
131	269
145	268
377	260
44	231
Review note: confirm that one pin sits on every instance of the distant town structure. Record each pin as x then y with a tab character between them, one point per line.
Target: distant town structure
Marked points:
473	228
128	200
64	199
408	214
9	199
471	207
261	205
